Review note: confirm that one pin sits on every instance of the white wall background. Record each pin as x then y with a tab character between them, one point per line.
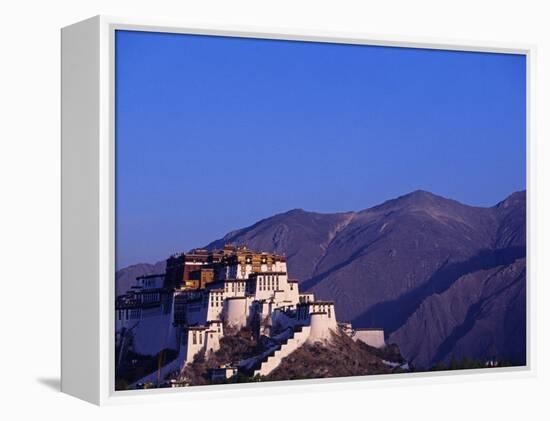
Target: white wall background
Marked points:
29	204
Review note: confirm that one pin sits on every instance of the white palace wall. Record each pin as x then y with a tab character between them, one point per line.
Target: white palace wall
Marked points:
195	343
237	310
372	337
321	328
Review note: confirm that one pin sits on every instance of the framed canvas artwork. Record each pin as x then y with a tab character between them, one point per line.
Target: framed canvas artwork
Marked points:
246	209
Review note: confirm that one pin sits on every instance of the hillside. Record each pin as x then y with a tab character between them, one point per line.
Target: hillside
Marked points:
339	357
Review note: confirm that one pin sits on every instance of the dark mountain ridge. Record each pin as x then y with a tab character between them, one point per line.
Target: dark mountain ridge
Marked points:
385	264
444	279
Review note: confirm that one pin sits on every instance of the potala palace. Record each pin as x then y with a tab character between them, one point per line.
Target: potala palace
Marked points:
206	294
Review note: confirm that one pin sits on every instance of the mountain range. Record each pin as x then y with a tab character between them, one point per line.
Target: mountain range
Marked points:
445	280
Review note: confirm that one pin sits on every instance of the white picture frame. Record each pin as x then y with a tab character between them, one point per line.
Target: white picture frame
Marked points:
88	197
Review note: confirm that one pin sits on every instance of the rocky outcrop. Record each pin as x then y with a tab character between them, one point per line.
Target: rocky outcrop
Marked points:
339	357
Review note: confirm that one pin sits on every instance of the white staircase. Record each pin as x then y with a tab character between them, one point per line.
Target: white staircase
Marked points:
291	345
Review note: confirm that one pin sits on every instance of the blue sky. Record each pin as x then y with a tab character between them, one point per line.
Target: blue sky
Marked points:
215	133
